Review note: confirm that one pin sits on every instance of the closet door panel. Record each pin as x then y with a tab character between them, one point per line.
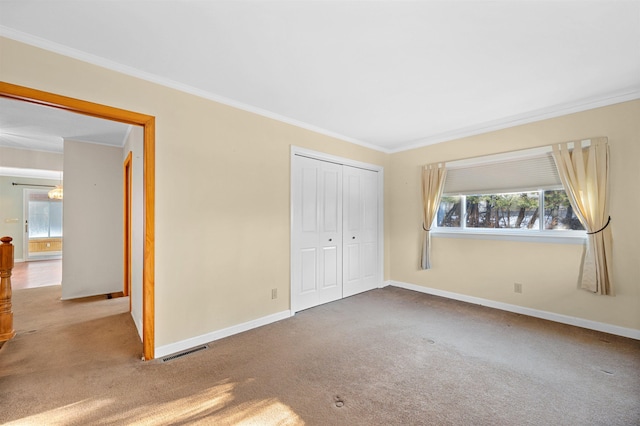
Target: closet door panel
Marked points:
360	218
308	273
317	233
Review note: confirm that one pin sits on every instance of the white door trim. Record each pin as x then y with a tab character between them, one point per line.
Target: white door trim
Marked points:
304	152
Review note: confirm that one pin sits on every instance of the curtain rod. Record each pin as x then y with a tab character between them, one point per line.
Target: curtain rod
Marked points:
31	184
523	152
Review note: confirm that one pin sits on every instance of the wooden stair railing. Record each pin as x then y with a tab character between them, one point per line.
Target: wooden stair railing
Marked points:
6	314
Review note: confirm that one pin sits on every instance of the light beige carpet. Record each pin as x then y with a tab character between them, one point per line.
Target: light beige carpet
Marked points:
386	357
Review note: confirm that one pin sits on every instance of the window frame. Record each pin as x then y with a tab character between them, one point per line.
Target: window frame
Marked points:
563	236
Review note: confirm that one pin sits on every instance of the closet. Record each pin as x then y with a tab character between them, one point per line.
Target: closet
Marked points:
336	222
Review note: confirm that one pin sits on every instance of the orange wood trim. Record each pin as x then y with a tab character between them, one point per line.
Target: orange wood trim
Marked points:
126	182
6	314
13	91
71	104
148	271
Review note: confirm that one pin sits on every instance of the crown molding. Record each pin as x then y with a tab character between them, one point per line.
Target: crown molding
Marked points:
554	111
48	45
31	173
629	94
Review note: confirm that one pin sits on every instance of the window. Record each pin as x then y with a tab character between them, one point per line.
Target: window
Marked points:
45	216
509	194
558	213
519	210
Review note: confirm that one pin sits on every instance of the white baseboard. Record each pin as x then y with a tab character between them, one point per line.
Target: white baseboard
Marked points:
192	342
564	319
182	345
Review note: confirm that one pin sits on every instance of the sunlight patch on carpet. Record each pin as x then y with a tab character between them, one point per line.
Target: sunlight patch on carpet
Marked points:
214	405
257	413
192	408
70	413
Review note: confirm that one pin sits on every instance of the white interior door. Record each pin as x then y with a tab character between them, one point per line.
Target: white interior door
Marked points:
317	233
360	230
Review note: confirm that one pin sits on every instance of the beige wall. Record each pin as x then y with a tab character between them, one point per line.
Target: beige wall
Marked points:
222	192
549	272
24	159
222	205
92	221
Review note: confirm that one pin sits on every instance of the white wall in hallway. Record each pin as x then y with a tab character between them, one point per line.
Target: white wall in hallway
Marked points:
92	252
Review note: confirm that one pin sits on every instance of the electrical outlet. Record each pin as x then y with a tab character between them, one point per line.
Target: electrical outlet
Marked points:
517	287
274	293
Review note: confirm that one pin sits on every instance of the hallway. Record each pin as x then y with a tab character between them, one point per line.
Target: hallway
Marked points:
36	274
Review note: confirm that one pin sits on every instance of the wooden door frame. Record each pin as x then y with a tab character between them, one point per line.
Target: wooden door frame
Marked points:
26	94
126	201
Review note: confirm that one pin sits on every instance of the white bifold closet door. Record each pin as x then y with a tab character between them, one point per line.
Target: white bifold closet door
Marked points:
360	230
335	232
317	233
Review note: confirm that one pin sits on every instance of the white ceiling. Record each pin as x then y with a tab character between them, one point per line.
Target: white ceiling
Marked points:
387	74
29	126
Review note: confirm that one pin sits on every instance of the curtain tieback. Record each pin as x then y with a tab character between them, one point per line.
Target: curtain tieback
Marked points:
595	232
425	228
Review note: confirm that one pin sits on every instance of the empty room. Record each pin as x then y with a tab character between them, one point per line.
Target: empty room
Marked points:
320	212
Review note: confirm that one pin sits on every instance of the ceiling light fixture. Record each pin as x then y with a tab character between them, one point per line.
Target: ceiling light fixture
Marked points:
56	193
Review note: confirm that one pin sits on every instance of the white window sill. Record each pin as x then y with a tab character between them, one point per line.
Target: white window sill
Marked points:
559	236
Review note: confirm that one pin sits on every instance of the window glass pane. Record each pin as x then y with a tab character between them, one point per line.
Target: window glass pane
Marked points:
558	213
55	219
508	211
449	212
38	219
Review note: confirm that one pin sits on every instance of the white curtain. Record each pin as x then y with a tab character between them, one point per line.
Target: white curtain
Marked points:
433	176
584	172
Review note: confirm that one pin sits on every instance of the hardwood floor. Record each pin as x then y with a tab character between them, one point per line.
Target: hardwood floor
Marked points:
36	274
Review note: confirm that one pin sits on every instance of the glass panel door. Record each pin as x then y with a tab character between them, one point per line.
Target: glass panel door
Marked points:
43	225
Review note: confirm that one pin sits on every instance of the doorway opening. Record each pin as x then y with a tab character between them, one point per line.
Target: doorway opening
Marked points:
148	124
